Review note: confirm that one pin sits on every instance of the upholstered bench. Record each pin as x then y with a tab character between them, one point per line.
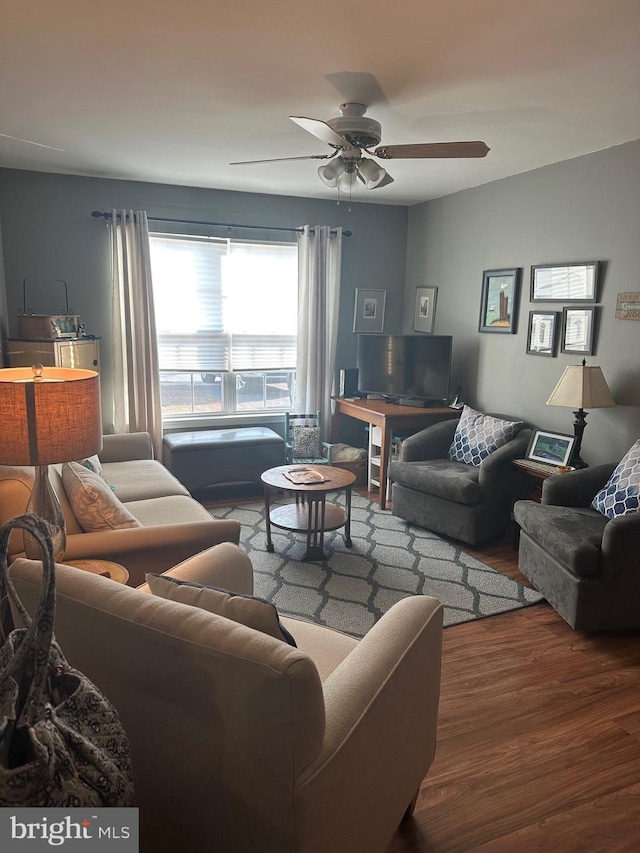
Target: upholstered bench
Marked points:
213	456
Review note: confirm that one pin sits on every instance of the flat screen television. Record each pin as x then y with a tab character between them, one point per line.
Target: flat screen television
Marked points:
405	366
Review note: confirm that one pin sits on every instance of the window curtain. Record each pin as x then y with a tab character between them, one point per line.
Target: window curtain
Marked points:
136	381
319	258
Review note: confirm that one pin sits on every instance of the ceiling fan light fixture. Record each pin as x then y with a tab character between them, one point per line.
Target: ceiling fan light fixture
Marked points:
370	173
330	173
348	179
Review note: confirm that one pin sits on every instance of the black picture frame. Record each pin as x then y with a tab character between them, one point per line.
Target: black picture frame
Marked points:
578	329
499	301
574	282
542	334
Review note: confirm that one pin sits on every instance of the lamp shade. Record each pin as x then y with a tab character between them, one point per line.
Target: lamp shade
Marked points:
581	387
48	415
330	172
370	173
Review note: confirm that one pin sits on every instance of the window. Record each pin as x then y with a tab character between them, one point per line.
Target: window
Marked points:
226	320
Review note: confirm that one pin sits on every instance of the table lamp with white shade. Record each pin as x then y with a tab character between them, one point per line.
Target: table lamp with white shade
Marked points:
48	415
581	387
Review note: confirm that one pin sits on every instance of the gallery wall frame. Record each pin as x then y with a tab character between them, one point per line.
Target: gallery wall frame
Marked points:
575	282
499	300
425	309
578	329
368	314
542	334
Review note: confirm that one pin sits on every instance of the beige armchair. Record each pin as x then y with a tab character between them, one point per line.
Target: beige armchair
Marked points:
241	742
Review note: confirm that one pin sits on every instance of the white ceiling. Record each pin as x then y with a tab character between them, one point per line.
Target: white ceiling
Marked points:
171	92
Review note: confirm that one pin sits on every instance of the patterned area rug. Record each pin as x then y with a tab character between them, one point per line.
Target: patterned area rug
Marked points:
389	560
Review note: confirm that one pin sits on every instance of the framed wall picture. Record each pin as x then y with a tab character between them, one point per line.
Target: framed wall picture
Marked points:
425	309
368	315
543	333
565	282
499	302
578	330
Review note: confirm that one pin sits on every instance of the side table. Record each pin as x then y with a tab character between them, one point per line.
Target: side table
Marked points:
532	476
529	486
107	568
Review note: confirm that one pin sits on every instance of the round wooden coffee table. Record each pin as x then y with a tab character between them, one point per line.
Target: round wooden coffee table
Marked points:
310	514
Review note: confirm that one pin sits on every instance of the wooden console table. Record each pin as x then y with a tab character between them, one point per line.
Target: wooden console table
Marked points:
389	417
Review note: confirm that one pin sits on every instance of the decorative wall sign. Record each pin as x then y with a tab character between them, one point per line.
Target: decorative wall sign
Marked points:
628	306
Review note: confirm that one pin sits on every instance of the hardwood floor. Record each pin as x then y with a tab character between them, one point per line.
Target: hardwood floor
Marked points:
538	737
538	740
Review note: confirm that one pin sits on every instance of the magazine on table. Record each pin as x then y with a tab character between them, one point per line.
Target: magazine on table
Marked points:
304	476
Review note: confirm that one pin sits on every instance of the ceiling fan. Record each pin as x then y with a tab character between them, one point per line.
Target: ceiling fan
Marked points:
350	134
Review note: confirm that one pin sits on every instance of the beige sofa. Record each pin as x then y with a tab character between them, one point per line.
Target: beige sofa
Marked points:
174	525
240	742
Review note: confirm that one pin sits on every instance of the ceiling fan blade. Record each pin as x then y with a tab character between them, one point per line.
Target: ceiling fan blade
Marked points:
30	142
321	130
278	159
432	150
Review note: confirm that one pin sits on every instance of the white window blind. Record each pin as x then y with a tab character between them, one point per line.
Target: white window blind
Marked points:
224	305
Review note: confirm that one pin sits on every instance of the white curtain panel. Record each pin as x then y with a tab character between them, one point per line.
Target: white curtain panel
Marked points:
136	380
319	258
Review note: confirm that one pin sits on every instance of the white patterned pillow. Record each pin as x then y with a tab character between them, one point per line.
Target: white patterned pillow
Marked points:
91	463
620	495
92	501
478	435
306	442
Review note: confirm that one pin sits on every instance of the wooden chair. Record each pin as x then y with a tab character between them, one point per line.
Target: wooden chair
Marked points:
303	440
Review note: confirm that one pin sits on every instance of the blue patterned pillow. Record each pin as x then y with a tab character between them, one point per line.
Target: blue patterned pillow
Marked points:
620	495
478	435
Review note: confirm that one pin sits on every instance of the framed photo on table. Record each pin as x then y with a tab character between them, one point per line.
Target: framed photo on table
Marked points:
368	315
543	332
555	448
578	330
425	309
499	301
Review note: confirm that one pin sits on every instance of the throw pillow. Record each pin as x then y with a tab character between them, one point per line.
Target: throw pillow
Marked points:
478	435
306	442
92	463
248	610
620	495
92	501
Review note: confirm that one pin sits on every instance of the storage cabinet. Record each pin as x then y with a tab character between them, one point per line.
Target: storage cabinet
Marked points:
81	353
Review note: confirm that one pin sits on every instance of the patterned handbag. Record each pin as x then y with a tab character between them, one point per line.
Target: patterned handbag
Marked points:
61	742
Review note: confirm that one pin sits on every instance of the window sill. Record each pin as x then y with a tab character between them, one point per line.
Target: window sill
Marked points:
184	422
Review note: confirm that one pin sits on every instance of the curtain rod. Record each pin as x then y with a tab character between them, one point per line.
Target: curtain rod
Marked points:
99	214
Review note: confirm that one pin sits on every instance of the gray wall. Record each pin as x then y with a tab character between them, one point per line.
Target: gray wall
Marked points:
579	210
48	231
